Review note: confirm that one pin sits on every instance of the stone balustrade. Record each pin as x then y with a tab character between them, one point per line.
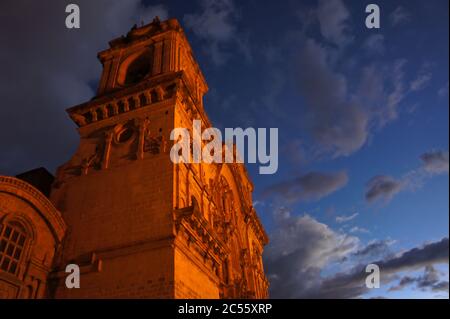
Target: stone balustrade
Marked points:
118	106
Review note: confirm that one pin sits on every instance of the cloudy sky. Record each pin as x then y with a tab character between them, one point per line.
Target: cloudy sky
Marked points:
362	117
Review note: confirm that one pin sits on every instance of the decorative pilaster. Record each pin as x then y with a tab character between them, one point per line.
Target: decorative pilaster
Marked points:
107	151
143	129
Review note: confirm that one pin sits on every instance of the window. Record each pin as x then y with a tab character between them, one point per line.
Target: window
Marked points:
12	242
125	135
138	69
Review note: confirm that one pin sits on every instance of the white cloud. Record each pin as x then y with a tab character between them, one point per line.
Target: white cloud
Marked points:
357	229
346	218
443	91
399	16
420	82
333	15
375	44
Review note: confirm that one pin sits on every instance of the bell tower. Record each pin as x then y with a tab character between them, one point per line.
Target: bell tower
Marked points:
138	224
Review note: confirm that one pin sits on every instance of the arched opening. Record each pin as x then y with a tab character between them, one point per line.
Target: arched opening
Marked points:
136	67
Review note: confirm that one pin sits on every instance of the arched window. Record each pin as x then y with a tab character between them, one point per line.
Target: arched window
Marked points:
136	67
12	242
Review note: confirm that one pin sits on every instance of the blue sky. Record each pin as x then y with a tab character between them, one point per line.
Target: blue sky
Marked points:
362	117
265	72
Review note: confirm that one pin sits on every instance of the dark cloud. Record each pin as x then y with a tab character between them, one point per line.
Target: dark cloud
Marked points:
403	283
215	22
374	249
435	252
352	284
442	286
311	186
47	68
430	280
382	187
341	119
337	121
216	25
344	107
299	249
436	162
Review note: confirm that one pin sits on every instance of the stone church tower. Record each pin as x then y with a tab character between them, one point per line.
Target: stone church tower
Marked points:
137	224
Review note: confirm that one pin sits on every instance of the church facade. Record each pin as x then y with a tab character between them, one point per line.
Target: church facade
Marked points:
136	224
